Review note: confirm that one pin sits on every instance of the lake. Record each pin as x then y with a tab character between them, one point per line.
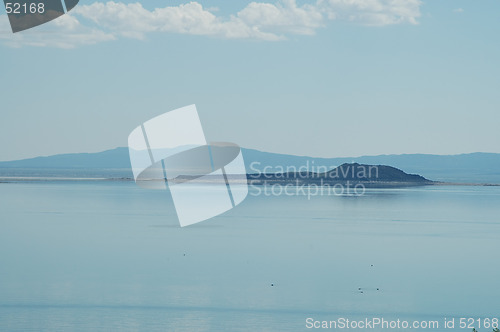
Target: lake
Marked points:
108	256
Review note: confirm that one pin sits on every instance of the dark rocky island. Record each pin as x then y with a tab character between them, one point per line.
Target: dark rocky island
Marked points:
376	176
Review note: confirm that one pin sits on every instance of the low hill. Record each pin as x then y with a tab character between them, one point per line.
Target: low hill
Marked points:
371	175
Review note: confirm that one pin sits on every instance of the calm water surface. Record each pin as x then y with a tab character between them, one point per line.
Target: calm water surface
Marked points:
107	255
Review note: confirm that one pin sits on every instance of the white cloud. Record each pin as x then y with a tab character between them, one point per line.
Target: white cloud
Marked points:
285	17
257	20
458	10
98	22
64	32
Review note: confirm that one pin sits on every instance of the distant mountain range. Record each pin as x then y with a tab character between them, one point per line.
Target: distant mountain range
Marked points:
463	168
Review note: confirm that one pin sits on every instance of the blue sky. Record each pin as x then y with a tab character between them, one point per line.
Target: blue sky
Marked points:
321	78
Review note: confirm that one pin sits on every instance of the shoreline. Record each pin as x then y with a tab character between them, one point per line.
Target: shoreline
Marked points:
250	181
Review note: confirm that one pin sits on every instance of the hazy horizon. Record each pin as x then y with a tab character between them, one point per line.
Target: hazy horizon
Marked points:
295	155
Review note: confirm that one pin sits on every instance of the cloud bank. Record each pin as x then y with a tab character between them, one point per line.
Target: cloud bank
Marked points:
101	22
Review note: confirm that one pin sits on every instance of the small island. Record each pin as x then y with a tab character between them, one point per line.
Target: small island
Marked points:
371	176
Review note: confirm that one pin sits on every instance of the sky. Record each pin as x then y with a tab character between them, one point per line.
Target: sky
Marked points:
324	78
